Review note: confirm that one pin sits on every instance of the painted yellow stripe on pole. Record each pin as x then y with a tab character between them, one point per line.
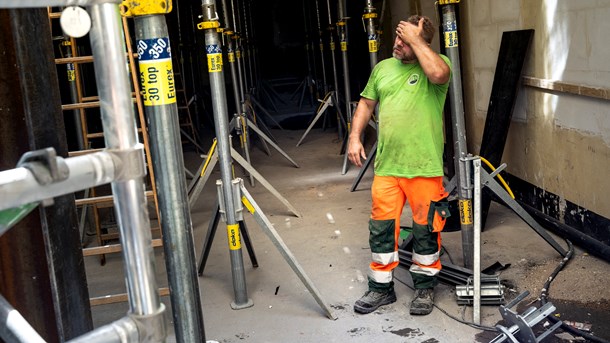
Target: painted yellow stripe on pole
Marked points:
248	205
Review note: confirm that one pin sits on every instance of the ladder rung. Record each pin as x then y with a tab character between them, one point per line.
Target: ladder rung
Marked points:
74	59
114	248
79	59
91	104
101	134
118	298
102	199
115	235
95	135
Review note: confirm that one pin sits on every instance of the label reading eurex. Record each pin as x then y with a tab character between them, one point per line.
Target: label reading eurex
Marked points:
450	32
234	239
156	72
214	55
71	73
372	45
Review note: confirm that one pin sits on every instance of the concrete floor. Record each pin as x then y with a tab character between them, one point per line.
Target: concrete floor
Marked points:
330	242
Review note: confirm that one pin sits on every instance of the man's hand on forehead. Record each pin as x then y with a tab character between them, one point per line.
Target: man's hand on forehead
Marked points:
409	32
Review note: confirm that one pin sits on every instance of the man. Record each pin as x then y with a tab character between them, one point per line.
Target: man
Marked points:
410	89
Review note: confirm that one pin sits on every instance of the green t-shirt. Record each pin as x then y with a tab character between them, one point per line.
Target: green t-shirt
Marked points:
410	114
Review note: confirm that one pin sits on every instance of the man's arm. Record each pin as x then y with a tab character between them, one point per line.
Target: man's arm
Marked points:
434	67
362	115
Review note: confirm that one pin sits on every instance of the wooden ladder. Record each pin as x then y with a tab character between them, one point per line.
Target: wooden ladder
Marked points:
94	198
187	129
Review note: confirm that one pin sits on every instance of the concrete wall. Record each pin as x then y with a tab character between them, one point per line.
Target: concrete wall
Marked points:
557	141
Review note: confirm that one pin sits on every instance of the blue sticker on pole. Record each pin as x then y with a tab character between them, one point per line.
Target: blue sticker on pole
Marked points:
450	26
154	49
212	49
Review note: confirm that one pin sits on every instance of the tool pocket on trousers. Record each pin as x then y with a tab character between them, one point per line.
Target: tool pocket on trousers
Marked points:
438	214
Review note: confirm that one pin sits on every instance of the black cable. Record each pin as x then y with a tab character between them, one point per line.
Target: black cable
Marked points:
471	324
545	292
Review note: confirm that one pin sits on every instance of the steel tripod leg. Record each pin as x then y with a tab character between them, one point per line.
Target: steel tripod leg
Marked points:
343	148
246	236
209	238
265	112
365	166
202	179
327	102
267	227
207	244
262	135
262	180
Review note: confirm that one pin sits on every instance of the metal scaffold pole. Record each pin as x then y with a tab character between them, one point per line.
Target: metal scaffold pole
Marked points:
335	95
368	18
159	98
120	134
464	186
322	62
219	103
342	32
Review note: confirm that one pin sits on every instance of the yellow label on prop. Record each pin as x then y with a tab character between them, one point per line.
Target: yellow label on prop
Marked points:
214	63
157	82
71	75
234	239
372	46
238	53
451	39
321	47
343	46
332	46
231	57
465	211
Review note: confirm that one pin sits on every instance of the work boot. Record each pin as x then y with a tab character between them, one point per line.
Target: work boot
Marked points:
423	301
371	301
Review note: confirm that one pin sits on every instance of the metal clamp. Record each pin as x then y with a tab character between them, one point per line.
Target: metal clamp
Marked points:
128	163
130	8
45	166
151	328
204	25
447	2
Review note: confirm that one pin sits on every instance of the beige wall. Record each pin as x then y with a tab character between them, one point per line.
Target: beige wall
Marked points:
557	141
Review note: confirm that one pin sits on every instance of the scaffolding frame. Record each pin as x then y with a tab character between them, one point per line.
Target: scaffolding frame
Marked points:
41	175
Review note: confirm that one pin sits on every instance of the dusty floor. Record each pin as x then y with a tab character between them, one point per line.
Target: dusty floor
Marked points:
330	242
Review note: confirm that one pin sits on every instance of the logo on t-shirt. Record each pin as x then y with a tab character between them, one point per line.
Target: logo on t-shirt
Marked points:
413	79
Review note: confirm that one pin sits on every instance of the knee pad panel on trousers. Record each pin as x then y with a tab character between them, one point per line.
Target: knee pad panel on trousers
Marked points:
424	241
381	237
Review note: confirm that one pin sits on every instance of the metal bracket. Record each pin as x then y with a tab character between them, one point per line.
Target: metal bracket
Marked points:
521	328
